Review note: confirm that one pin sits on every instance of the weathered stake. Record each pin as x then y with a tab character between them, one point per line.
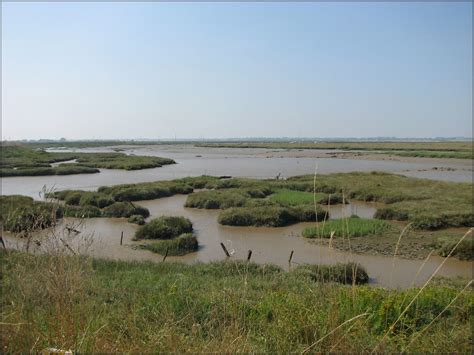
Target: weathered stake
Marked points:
3	243
249	255
121	238
166	254
225	250
291	256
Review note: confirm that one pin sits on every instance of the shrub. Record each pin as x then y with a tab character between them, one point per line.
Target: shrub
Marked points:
164	228
73	199
184	244
136	219
348	273
124	209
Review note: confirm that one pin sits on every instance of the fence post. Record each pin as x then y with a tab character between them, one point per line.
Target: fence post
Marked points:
225	249
291	257
166	254
249	255
121	238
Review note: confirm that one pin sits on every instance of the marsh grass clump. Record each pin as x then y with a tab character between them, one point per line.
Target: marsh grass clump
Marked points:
124	209
22	213
181	245
227	198
345	273
136	219
350	227
464	251
165	227
82	211
216	199
270	215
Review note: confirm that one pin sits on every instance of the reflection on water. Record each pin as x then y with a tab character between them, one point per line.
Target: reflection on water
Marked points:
257	163
269	245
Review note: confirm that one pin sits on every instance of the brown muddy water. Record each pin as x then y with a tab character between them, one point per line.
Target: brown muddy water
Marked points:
269	245
254	163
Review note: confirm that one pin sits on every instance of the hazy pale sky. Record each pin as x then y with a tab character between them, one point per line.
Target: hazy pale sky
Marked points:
160	70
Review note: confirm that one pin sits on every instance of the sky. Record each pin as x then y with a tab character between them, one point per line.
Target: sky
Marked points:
218	70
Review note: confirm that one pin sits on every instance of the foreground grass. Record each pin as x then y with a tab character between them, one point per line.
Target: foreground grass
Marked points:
109	306
18	160
351	227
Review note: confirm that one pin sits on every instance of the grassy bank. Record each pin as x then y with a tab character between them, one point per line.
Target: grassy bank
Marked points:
22	160
109	306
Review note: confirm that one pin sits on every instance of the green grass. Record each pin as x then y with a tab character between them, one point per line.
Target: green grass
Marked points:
350	227
181	245
165	227
22	160
286	197
226	307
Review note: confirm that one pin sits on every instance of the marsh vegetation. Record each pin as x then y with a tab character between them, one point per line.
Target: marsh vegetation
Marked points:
24	161
77	303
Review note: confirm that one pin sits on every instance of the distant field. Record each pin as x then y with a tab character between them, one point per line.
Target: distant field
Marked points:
461	150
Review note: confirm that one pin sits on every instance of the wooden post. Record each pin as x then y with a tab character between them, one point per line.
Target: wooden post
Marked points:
225	250
166	254
121	238
249	255
291	257
3	243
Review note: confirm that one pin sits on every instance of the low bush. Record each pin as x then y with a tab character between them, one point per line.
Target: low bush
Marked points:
164	228
184	244
136	219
